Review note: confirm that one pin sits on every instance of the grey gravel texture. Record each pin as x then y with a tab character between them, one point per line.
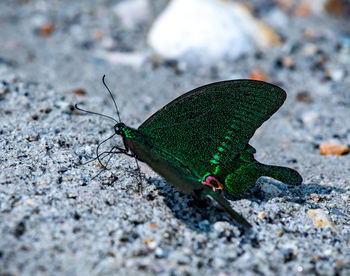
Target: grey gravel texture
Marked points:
55	221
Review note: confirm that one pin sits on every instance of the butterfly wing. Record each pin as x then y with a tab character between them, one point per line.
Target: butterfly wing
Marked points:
212	124
227	207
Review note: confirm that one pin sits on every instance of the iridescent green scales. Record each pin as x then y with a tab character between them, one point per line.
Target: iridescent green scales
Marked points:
209	129
199	141
193	126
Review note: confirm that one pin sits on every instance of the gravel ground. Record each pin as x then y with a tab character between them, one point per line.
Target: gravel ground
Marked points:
55	221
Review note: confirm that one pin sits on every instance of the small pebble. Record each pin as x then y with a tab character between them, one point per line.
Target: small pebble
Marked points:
315	197
309	117
288	62
330	148
310	49
309	33
220	226
33	138
320	218
152	245
261	215
304	96
47	29
346	198
336	74
79	91
146	240
30	201
62	169
328	252
258	74
159	253
98	34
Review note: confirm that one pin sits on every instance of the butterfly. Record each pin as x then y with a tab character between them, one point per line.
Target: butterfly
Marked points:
199	142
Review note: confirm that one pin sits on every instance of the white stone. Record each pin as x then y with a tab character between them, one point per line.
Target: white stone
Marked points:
276	18
132	12
220	226
132	59
309	117
337	74
152	245
205	31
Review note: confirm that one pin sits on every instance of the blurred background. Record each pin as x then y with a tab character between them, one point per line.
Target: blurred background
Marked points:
80	41
53	54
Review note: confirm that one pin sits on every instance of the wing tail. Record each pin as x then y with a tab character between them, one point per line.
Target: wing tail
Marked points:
283	174
242	222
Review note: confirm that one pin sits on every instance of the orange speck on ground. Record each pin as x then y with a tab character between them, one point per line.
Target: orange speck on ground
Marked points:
98	34
30	201
79	91
147	240
153	225
330	148
320	222
258	74
47	29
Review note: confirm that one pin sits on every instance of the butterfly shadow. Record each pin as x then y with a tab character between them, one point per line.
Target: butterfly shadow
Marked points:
268	188
201	213
198	213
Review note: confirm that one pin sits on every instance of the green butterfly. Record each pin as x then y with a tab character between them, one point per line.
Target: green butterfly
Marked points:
199	141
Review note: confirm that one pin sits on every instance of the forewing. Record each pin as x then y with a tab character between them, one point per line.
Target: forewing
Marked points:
211	124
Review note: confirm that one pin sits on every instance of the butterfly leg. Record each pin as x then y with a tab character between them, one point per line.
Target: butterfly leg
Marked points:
139	184
103	167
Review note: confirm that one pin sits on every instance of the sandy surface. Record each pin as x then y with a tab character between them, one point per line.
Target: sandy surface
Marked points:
55	221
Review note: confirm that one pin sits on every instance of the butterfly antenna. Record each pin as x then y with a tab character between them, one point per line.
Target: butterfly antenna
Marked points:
92	112
110	93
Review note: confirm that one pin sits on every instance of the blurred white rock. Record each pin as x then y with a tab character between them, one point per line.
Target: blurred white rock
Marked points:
276	18
132	12
132	59
309	117
205	31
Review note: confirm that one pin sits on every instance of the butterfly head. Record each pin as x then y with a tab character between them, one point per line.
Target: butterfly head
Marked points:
119	128
124	131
